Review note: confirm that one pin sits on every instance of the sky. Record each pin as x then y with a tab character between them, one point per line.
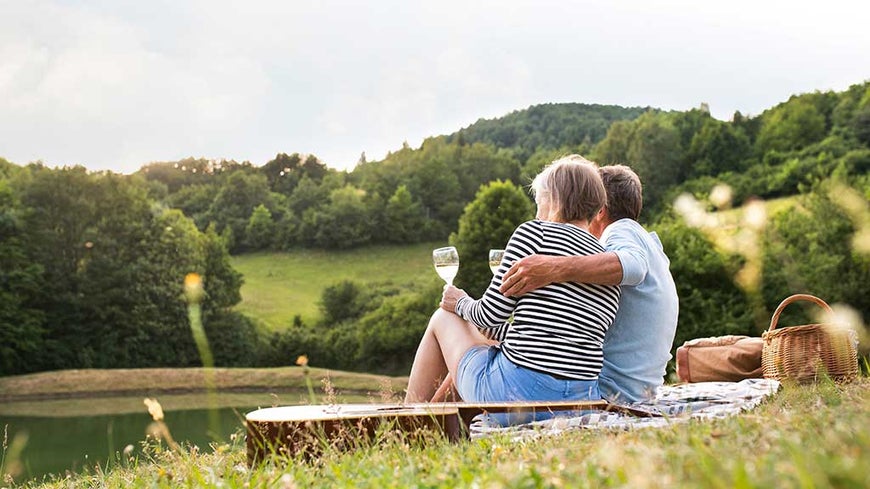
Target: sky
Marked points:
114	85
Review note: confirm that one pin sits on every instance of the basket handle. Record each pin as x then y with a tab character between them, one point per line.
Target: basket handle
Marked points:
794	298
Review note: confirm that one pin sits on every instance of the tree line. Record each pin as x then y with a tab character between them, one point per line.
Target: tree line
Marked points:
92	262
92	275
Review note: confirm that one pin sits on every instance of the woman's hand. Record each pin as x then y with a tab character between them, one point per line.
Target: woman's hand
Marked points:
450	297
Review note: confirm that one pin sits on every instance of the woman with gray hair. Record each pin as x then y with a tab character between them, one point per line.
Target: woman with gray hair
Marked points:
551	351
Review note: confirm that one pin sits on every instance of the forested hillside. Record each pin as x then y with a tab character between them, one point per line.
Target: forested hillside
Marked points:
92	263
547	127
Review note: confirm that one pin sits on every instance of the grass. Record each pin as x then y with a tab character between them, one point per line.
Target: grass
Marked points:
806	436
279	286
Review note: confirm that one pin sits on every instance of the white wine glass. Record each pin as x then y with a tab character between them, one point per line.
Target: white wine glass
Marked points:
495	257
446	262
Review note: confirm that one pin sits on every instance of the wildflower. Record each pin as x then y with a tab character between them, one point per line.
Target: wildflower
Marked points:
755	215
302	361
154	409
691	210
193	288
721	196
287	482
861	241
497	453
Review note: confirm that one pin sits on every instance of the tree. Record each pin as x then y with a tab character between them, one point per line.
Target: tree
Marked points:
308	195
861	124
59	211
791	126
613	149
689	123
314	169
655	154
235	202
221	282
260	230
344	222
194	201
283	172
106	267
810	249
487	222
403	218
717	148
340	302
387	337
711	304
439	190
8	169
21	325
546	126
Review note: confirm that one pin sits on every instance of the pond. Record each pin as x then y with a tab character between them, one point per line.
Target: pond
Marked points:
73	434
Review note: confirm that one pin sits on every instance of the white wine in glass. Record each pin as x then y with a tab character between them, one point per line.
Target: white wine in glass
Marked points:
446	262
495	257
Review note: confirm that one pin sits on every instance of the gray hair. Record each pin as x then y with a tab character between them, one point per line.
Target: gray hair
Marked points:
573	187
624	192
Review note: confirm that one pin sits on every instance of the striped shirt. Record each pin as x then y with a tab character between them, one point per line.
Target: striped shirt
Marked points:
558	329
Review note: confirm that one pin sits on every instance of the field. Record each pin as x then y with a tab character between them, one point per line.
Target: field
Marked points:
279	286
805	436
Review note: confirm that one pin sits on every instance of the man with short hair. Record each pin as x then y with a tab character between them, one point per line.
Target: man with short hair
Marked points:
637	347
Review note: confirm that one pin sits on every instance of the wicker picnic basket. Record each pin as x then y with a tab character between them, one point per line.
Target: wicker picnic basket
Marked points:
809	352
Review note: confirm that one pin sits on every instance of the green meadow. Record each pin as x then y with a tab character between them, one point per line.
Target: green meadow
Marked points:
279	286
811	436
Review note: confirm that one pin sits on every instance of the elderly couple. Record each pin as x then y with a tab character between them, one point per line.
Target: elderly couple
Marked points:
593	303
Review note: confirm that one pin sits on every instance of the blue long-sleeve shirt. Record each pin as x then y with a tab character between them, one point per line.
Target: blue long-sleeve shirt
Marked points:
637	347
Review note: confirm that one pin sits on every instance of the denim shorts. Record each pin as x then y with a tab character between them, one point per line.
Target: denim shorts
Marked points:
486	375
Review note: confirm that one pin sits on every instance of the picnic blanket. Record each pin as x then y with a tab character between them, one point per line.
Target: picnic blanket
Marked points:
672	404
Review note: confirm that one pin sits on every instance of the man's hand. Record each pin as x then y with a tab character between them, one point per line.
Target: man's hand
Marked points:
530	273
450	297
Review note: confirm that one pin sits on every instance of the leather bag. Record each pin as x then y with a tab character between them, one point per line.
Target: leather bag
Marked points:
722	358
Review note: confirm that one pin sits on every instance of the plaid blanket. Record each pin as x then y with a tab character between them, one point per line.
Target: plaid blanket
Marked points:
672	404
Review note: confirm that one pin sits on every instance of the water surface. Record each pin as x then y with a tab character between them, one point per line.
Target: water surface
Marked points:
74	434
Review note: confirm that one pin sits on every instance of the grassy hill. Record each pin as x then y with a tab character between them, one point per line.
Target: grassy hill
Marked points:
279	286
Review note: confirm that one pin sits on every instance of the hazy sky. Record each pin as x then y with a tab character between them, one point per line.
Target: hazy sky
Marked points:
117	84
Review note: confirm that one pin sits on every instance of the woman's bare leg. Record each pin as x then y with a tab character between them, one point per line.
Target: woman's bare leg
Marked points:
428	369
446	339
446	392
